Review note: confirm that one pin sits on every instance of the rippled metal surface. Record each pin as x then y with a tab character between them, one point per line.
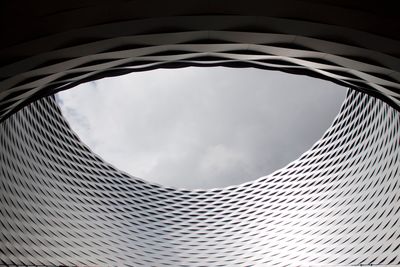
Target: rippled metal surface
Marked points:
61	44
338	204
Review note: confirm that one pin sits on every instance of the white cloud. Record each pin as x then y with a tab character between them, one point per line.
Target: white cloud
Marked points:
201	127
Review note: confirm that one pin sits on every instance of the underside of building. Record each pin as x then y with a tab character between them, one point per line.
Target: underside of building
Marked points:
60	204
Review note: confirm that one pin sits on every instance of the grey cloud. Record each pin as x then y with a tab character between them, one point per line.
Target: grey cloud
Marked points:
202	127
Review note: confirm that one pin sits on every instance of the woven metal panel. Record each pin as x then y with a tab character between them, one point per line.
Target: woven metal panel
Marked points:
338	204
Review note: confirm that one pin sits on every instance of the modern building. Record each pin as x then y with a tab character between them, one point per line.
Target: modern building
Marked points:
337	205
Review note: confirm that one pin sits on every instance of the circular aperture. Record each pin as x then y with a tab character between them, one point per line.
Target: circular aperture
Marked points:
201	127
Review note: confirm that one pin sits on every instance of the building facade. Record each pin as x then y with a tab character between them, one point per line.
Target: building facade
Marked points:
60	204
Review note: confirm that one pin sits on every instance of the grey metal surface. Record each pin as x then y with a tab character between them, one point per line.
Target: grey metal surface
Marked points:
57	45
338	204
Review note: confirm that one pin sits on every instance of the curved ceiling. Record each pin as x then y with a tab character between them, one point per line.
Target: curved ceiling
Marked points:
61	204
44	50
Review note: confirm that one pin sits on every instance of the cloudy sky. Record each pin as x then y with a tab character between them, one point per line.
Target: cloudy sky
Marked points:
201	127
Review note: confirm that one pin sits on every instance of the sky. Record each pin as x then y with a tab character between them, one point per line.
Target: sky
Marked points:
201	127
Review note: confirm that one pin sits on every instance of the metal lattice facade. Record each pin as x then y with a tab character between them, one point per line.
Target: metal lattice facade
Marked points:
338	204
60	204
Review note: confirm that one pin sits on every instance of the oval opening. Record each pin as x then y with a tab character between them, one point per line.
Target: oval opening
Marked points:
201	127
